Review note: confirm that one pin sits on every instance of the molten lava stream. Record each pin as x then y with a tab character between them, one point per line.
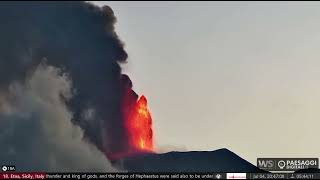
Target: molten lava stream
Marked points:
140	127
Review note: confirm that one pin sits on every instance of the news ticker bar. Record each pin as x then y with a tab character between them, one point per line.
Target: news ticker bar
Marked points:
46	175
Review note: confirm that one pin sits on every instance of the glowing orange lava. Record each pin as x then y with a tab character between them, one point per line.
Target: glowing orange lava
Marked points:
140	126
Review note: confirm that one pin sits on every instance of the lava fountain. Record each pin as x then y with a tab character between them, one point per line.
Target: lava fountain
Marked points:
137	122
139	125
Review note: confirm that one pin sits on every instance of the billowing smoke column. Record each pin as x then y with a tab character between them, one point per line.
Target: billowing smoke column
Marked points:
78	40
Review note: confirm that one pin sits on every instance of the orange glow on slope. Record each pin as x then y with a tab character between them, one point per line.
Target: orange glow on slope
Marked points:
140	127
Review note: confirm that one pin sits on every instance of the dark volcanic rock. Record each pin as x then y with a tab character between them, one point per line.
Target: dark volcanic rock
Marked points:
221	160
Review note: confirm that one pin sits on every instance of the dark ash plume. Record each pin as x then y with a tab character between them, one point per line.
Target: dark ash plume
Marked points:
79	39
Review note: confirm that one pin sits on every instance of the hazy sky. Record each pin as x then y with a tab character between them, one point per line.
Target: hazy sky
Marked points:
240	75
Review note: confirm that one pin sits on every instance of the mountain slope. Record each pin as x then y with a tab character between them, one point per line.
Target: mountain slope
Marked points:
221	160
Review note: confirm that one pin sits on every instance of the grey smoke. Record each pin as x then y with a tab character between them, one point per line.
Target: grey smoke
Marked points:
36	132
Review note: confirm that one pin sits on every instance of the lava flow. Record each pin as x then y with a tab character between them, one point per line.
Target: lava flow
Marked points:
139	124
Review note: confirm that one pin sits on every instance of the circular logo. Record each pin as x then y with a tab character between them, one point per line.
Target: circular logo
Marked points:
218	176
4	168
281	164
